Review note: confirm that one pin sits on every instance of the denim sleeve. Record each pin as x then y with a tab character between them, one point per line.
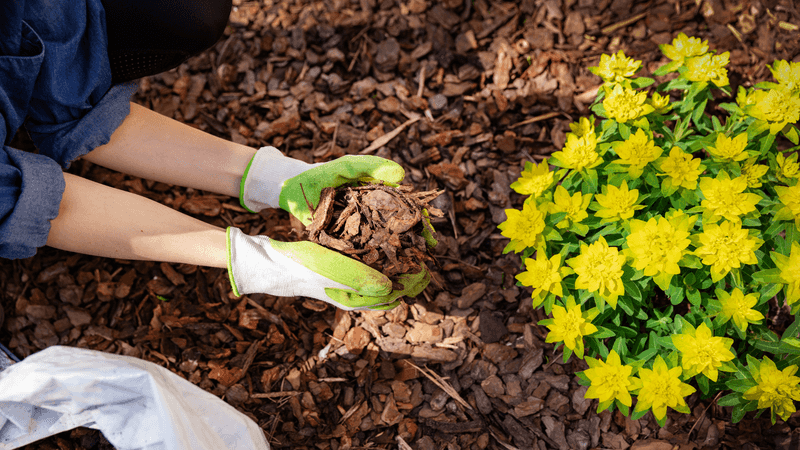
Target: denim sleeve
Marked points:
30	185
74	107
56	79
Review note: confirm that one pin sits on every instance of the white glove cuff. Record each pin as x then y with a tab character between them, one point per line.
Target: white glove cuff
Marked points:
254	266
264	178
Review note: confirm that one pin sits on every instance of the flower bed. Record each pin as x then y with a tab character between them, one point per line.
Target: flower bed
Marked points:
663	234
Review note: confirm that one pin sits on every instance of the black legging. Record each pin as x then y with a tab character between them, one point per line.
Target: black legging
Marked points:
146	37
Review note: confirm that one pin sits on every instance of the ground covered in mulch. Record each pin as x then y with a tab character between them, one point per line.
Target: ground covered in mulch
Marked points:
461	93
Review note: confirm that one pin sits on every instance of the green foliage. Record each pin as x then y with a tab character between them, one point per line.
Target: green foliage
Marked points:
675	228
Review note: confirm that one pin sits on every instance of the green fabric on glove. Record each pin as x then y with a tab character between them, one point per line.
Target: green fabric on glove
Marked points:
336	267
413	285
309	185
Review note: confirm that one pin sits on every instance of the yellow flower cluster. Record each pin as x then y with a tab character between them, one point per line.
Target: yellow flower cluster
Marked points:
694	205
779	106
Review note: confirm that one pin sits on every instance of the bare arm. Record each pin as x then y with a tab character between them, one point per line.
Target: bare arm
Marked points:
99	220
150	145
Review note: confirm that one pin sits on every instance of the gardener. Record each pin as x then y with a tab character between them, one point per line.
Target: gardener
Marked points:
65	72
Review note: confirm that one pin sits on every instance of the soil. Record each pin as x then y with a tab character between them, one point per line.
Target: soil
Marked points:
461	93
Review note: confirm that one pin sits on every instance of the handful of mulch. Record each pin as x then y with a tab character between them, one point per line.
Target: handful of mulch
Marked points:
384	227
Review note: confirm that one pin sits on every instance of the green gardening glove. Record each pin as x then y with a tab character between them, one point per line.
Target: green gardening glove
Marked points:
273	180
413	285
258	264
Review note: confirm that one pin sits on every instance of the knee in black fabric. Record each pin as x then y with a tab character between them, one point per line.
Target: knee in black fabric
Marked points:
146	37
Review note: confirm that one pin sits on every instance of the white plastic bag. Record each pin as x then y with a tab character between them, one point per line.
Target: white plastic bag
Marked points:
135	404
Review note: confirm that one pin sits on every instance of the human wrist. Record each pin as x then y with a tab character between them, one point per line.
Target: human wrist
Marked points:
264	177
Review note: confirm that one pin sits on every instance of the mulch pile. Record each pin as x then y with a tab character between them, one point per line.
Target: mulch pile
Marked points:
382	226
461	93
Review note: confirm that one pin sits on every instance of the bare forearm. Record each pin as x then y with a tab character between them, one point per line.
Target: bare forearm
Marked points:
152	146
99	220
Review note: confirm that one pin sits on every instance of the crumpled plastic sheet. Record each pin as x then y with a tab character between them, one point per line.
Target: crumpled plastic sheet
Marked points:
135	404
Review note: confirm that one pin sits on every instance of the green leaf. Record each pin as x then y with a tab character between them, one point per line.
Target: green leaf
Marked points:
698	113
792	134
792	330
647	354
624	303
769	291
702	383
639	414
624	131
667	68
766	143
666	342
728	366
738	413
622	408
621	347
694	296
740	385
163	299
599	109
768	276
553	219
590	177
691	262
632	289
675	294
603	333
652	179
774	229
767	85
731	399
640	82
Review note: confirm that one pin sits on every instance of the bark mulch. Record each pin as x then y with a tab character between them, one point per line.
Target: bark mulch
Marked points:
461	93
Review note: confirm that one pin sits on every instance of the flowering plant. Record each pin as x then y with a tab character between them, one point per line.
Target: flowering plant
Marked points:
661	237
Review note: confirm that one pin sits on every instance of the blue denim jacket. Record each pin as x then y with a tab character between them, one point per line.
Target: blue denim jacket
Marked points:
55	79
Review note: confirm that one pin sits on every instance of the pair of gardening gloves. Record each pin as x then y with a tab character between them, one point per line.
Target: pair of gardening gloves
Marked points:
258	264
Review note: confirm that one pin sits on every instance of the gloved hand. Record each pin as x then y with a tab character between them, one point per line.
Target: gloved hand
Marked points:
273	180
287	269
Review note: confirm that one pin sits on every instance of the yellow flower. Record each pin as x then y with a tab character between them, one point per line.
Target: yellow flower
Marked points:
753	172
682	169
661	104
790	197
775	389
610	380
790	272
615	69
623	104
739	307
570	326
787	73
543	275
725	197
575	206
701	351
578	153
708	67
684	47
788	168
584	127
657	245
729	149
778	107
636	152
534	179
617	203
524	228
662	388
726	246
599	269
